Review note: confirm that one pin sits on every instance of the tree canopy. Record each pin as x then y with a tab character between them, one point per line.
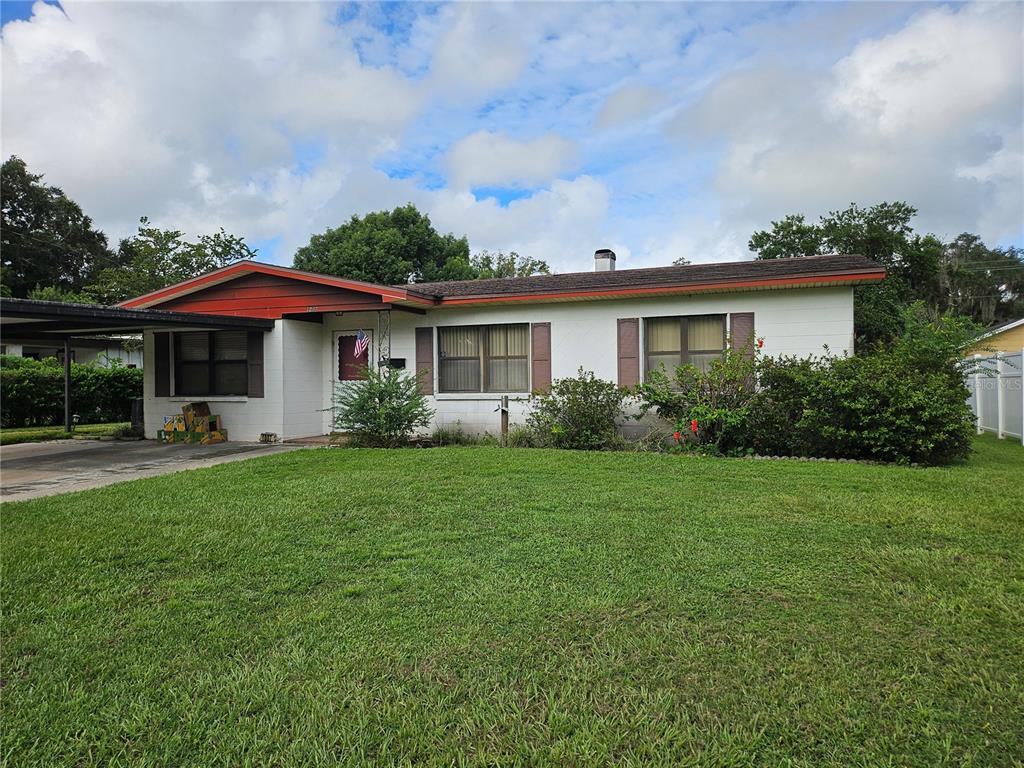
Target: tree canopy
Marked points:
500	264
389	248
45	239
963	276
154	258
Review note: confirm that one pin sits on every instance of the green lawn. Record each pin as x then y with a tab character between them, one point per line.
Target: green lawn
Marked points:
10	436
490	606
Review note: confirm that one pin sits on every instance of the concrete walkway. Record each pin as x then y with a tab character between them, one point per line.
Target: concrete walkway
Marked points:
30	470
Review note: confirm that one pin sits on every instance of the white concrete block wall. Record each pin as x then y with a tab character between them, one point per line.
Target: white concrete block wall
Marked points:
245	418
798	322
304	379
300	363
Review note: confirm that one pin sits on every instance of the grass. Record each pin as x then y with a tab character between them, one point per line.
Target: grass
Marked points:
10	436
492	606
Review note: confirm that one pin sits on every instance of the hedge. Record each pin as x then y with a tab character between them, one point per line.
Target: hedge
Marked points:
32	392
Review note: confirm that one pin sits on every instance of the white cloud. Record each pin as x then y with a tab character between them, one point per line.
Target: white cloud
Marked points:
479	50
929	114
493	159
277	120
629	103
190	113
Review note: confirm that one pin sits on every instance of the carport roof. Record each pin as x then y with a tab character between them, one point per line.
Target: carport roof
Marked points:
31	318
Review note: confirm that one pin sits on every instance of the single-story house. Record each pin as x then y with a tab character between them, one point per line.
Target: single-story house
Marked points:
473	341
1008	337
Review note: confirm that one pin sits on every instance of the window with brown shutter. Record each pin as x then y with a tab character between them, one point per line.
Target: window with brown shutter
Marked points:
211	363
484	358
675	341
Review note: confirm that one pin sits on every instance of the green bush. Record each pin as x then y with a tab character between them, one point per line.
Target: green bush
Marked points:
32	392
578	413
453	434
382	410
708	408
882	407
904	403
521	436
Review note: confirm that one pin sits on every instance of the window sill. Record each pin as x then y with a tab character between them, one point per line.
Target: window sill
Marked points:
491	396
210	399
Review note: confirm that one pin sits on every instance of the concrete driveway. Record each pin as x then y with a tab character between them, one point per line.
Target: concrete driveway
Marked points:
30	470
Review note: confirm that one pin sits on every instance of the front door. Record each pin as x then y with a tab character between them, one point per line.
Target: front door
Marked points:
352	355
350	363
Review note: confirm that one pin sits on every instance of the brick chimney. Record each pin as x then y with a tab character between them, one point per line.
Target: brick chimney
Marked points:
604	260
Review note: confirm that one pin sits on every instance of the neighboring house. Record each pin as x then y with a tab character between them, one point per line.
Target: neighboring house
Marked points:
474	341
99	350
1008	337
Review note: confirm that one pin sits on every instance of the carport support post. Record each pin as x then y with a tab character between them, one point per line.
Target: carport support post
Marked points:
67	384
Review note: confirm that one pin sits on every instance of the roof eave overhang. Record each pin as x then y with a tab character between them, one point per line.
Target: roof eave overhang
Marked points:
388	294
846	279
23	318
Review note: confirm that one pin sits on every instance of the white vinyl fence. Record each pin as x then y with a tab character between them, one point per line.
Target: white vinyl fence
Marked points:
997	393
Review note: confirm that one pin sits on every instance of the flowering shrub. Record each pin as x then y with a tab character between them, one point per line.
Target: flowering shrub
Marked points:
707	407
903	403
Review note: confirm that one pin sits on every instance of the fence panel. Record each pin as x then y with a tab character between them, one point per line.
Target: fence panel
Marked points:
997	394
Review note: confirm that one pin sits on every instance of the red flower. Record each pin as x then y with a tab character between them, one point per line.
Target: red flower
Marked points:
760	343
693	426
677	435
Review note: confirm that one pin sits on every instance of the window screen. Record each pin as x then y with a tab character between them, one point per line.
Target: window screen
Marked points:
211	363
673	341
488	358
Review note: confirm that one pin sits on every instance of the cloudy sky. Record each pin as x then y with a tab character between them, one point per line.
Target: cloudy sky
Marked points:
661	130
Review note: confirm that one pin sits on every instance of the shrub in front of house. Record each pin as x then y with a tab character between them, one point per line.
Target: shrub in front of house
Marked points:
709	407
881	407
905	403
383	410
32	392
579	413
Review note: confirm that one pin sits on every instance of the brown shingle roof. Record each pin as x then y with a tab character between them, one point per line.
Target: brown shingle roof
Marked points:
693	275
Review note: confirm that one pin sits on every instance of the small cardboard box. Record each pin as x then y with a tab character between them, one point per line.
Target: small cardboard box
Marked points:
214	436
174	423
193	410
205	424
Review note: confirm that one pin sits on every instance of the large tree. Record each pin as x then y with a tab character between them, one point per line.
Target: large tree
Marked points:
918	265
500	264
390	248
987	284
154	258
45	238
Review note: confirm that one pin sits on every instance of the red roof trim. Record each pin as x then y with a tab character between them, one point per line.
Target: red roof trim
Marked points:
779	282
393	294
238	269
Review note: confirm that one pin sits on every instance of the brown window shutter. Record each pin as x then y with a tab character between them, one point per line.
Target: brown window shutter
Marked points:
255	355
162	364
425	360
629	351
741	332
540	343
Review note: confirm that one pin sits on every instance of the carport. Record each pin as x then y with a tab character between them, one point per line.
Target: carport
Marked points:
59	324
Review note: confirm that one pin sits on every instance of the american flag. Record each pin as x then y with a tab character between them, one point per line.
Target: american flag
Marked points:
362	342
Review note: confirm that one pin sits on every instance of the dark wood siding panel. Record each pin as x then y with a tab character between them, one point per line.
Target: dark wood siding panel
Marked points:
268	296
255	354
425	360
629	351
741	332
540	343
162	364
